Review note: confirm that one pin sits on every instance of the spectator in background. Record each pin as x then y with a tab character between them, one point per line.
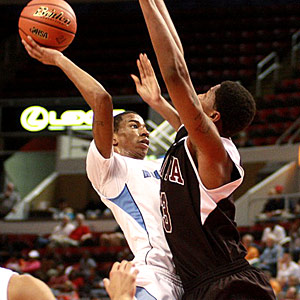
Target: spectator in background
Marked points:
286	268
252	251
59	236
49	262
58	279
293	282
32	263
13	263
291	294
8	199
271	255
81	235
273	228
93	285
68	292
61	232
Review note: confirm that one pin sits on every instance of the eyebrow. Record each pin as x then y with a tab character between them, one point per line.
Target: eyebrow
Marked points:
137	122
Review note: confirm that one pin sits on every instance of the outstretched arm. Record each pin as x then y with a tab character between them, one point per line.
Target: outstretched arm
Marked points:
206	145
149	90
91	90
160	4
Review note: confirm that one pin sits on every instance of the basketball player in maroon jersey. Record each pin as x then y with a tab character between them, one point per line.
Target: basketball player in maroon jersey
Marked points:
200	172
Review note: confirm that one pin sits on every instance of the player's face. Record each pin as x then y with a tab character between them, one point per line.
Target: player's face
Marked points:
132	138
208	100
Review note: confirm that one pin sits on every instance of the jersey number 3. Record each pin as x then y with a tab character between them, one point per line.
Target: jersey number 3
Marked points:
165	213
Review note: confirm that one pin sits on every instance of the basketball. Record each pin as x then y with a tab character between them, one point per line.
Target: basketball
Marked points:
51	23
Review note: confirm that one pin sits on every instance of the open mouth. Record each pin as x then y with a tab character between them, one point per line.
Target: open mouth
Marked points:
145	142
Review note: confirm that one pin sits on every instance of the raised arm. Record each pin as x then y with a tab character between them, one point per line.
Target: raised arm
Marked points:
149	90
160	4
91	90
206	142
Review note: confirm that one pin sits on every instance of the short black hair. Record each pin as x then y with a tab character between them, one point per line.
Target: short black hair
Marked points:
236	106
119	117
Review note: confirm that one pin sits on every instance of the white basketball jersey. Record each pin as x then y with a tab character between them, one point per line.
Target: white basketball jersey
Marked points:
130	188
5	275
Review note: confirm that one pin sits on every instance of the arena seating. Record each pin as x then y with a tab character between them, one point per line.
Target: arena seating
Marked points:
219	44
276	113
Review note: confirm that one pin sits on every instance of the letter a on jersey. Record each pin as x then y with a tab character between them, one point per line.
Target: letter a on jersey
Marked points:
175	173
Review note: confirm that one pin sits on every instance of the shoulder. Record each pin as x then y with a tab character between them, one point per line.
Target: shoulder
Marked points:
28	287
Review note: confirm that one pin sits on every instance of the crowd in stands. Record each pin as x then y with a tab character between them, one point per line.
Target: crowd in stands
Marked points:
276	248
72	259
76	270
277	253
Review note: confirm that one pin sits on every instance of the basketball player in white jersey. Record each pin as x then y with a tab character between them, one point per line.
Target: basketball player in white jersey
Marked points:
22	287
126	183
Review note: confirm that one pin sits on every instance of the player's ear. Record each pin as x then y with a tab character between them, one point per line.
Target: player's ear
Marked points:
115	140
215	116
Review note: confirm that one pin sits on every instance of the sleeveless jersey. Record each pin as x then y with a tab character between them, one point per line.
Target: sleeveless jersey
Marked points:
130	188
5	275
199	223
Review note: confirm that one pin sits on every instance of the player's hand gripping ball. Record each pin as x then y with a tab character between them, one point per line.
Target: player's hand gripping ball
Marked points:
51	23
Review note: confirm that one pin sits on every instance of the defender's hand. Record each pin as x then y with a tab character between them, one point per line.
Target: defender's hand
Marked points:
147	86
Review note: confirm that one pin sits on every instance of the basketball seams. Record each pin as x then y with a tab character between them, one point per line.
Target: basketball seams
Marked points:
47	24
61	7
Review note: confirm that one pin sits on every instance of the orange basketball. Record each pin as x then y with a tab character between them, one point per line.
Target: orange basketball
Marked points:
51	23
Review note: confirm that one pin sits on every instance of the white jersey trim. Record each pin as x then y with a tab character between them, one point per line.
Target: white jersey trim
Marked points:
210	197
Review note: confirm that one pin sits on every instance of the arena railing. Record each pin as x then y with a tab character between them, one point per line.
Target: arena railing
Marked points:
293	131
264	68
295	48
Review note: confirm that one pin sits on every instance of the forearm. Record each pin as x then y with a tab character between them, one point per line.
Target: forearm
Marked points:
165	47
166	16
171	61
168	112
97	98
90	89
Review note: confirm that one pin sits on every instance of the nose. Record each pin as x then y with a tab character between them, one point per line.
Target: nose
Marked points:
144	132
